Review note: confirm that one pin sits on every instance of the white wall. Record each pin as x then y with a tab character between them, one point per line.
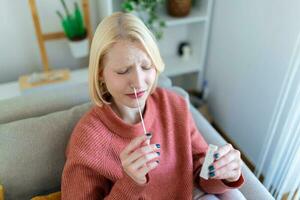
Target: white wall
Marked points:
250	48
19	52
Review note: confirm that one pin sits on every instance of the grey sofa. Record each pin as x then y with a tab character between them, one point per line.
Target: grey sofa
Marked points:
34	131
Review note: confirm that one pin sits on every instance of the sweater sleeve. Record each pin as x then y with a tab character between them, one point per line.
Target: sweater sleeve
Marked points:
82	182
199	148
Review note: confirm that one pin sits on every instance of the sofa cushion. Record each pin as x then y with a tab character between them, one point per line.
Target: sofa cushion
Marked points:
43	102
32	152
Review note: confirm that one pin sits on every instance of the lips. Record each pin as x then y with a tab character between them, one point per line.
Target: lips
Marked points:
139	94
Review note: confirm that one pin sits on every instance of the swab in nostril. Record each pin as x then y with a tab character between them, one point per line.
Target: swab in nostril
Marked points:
141	116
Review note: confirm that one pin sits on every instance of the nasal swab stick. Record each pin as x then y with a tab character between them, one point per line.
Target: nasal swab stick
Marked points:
209	159
140	111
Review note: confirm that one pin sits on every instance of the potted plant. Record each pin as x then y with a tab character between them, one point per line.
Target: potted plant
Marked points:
179	8
146	10
74	30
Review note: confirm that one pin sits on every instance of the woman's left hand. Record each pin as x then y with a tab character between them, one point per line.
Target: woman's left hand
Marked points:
227	164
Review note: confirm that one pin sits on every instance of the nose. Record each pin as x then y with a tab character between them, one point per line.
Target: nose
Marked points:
137	79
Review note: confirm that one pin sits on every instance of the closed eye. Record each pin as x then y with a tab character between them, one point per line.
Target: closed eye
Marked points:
146	67
127	70
123	72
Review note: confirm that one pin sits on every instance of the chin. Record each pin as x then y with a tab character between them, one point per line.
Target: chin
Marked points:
135	104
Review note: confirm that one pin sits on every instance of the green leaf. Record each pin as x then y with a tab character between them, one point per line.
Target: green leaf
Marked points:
154	22
162	24
127	6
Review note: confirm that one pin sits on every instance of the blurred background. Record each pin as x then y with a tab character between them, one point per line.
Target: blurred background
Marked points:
239	61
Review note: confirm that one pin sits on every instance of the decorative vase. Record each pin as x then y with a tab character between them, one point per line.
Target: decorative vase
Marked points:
79	48
179	8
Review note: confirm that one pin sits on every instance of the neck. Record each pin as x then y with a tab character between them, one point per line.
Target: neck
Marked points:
129	115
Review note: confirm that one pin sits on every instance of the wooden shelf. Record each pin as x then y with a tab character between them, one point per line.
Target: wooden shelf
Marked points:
53	76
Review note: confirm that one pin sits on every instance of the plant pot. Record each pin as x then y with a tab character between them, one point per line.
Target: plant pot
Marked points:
179	8
79	48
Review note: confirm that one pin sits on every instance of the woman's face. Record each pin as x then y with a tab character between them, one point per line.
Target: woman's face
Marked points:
127	65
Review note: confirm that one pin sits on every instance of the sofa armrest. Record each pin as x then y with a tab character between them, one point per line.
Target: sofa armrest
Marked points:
181	92
205	128
253	189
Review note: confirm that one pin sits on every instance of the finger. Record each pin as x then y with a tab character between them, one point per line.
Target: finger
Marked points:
201	160
149	136
135	143
232	175
226	159
143	160
140	152
222	151
222	172
146	142
148	167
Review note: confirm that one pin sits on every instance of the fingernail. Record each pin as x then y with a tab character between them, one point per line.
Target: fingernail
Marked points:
216	155
158	153
149	135
211	174
211	168
157	161
158	146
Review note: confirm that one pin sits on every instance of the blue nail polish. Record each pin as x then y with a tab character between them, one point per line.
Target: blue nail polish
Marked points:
211	174
216	155
158	145
158	153
211	168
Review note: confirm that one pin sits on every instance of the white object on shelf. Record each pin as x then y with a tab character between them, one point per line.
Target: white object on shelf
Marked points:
193	28
79	48
186	52
38	77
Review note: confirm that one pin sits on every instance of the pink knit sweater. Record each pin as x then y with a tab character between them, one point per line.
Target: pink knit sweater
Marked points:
93	169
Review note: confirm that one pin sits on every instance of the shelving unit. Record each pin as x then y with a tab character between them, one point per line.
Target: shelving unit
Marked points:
193	29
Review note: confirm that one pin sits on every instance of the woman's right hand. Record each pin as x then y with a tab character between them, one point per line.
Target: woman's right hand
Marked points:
137	158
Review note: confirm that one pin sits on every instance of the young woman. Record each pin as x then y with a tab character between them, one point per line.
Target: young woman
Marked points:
110	157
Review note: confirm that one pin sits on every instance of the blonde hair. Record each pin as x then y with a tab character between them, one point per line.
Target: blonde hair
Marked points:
118	26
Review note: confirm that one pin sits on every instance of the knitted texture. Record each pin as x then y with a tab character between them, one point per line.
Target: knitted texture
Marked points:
93	168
